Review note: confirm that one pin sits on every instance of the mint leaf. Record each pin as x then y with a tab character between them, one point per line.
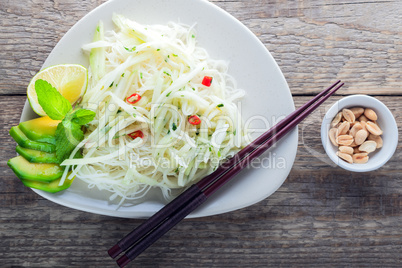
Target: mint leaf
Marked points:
51	101
68	136
83	116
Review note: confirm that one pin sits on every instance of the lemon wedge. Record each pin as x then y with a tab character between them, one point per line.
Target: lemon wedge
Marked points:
71	80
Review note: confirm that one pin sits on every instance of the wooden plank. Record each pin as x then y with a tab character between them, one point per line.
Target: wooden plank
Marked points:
321	214
314	42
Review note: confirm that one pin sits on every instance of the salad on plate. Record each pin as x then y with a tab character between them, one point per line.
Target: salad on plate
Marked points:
152	110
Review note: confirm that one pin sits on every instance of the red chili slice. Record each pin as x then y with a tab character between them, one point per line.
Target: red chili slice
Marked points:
207	81
194	120
136	134
133	98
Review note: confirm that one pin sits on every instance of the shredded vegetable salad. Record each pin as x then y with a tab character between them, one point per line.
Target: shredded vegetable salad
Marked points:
166	112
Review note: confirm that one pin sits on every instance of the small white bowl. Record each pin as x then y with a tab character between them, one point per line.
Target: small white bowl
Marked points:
386	122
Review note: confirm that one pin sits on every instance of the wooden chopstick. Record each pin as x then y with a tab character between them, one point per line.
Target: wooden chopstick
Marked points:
260	140
179	201
156	226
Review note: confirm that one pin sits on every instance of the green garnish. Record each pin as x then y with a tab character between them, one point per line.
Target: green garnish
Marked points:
130	49
220	105
174	127
51	101
68	133
167	95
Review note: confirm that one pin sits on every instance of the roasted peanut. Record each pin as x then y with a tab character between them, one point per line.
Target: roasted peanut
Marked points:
353	144
347	157
332	136
344	140
346	149
362	118
356	134
370	114
360	136
377	139
368	146
349	115
357	111
363	123
343	128
373	128
356	127
360	158
336	119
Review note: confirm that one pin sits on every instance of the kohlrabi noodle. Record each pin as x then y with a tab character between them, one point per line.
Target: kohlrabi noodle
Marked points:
162	65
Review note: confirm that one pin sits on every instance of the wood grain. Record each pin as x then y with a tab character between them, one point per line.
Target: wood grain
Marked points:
321	216
314	42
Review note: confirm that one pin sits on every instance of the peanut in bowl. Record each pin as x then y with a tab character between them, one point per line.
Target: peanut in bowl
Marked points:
355	145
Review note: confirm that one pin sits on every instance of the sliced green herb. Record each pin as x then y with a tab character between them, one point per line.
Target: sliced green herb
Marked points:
130	49
51	101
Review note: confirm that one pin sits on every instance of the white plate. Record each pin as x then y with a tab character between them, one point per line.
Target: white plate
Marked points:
268	98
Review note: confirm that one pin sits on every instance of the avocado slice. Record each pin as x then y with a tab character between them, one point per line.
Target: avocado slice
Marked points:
51	187
35	156
42	129
42	172
23	141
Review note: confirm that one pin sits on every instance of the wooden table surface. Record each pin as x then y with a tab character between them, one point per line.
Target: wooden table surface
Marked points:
322	215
